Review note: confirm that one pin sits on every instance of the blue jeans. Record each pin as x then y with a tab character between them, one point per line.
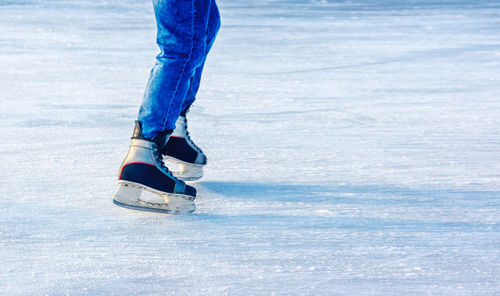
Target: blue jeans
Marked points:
186	32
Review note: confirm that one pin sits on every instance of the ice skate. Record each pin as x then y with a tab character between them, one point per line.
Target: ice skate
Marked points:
144	183
183	153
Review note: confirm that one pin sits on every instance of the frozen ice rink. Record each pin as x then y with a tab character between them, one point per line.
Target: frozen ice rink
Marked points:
353	148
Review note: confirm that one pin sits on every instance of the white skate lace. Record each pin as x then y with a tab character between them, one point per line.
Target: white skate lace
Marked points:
188	137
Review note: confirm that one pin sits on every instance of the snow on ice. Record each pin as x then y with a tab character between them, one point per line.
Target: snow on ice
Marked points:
354	149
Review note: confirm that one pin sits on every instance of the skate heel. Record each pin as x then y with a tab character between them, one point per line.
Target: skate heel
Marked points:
138	197
183	170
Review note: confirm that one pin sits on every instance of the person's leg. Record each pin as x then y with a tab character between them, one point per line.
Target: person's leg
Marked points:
182	27
143	180
212	30
180	149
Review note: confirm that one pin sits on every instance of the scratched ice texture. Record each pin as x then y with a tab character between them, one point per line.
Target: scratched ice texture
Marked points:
354	149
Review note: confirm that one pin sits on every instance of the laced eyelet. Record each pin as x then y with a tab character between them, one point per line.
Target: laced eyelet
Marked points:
159	159
188	137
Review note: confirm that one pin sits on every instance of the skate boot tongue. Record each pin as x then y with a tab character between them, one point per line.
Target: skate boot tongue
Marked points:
161	140
138	131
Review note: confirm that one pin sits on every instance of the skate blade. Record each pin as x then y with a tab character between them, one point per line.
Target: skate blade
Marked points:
183	170
138	197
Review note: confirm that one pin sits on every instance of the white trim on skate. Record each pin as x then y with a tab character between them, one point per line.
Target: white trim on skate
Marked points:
137	196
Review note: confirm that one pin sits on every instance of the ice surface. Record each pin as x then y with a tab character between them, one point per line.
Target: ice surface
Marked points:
354	149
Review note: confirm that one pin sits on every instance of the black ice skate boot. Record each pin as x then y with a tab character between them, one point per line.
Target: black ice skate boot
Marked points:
181	151
144	183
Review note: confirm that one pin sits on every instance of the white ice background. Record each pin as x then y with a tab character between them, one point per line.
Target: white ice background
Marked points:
353	146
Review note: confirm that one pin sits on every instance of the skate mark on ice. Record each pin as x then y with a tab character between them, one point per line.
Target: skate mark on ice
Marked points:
354	194
86	106
94	121
350	207
412	57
